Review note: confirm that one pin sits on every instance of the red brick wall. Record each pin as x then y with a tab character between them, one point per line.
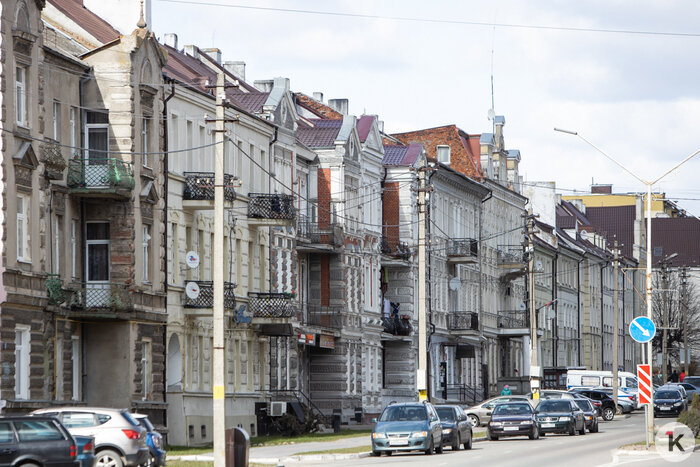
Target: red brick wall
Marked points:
390	214
324	198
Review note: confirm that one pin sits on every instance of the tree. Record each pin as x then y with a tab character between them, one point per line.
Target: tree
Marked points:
671	296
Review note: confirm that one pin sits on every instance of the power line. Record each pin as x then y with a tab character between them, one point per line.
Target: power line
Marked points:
435	20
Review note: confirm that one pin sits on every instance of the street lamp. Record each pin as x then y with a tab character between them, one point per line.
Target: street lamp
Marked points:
649	408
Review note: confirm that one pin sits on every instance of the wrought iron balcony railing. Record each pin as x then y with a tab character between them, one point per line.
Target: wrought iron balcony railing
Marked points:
271	305
100	174
271	206
463	321
199	186
332	234
205	299
513	319
325	316
510	254
54	286
54	162
109	295
399	250
463	247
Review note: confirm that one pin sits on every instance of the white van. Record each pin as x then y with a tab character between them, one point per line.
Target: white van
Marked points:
592	378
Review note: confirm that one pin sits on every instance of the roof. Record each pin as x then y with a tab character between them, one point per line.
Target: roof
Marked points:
676	235
402	155
615	222
316	107
89	21
322	135
364	124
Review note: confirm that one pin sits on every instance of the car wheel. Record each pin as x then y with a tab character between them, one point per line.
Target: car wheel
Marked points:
474	419
389	453
608	414
430	449
582	431
108	458
619	410
440	448
594	427
376	454
468	444
457	443
542	434
572	429
493	437
535	434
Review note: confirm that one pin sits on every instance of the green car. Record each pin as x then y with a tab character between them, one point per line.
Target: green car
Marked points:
410	426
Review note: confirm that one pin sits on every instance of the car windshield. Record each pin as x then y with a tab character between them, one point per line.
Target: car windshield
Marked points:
512	409
555	406
446	413
584	405
402	413
667	395
631	383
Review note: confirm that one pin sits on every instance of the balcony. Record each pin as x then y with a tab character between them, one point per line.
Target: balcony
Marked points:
271	307
198	193
513	323
463	322
511	258
462	250
54	162
326	317
100	299
205	299
395	250
108	178
314	237
270	209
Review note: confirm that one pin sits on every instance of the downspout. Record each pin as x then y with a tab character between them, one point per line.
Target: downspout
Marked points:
555	333
578	307
82	243
270	159
484	343
430	290
602	317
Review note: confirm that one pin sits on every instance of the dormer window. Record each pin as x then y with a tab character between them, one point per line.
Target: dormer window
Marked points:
443	154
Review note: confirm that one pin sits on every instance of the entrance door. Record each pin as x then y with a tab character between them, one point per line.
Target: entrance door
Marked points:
97	288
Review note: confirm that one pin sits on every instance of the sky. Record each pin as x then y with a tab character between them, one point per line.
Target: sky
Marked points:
633	94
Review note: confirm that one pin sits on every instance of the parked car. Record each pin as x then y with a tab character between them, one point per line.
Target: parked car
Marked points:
689	389
607	404
560	416
626	402
668	401
86	450
408	426
28	440
119	439
154	441
590	413
456	427
513	419
480	414
550	394
694	380
675	386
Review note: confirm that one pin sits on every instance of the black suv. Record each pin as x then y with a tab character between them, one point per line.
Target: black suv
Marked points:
36	440
607	404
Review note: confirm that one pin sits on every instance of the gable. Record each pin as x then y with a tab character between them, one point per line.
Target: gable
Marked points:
25	156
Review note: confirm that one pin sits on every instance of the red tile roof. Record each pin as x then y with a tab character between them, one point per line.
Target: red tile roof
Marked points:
318	108
364	124
89	21
615	222
401	155
321	135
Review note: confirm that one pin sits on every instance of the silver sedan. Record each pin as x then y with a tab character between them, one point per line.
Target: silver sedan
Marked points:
480	414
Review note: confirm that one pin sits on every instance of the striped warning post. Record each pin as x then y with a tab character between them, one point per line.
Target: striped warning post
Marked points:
645	387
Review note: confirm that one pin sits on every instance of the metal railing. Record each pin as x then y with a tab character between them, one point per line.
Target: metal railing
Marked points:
54	286
100	174
205	299
513	319
303	399
199	186
109	295
463	321
462	247
399	249
464	394
332	234
271	206
511	254
271	305
52	157
325	316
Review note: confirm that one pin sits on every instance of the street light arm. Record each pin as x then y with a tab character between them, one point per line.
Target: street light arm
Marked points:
676	166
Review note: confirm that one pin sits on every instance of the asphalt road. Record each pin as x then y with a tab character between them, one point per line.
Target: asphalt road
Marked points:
592	449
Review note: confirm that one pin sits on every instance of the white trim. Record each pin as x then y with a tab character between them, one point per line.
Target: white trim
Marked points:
23	342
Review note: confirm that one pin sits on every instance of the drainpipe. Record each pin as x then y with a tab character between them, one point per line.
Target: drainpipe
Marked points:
578	306
555	331
480	304
602	317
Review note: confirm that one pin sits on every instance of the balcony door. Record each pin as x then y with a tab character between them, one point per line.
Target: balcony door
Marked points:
97	288
97	135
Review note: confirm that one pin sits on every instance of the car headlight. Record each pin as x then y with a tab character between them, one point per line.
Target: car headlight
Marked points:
564	419
419	434
446	431
377	435
678	404
496	423
526	422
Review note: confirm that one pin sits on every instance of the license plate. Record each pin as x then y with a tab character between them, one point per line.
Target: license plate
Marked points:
665	408
398	442
510	428
548	425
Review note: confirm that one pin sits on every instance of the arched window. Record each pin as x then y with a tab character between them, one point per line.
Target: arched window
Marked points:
22	18
174	368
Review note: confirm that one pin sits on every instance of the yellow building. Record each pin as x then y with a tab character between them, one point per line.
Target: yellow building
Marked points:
602	196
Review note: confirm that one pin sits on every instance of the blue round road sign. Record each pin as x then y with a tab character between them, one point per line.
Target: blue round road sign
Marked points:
642	329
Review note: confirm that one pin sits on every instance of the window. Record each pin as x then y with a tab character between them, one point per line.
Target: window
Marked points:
253	168
146	251
74	248
21	95
146	370
6	433
57	234
78	419
443	154
38	430
174	253
22	355
76	367
57	121
590	381
97	136
144	141
72	124
23	228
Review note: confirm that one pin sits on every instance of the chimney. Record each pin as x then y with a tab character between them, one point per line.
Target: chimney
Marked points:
191	50
601	189
264	85
170	39
237	68
380	124
318	96
213	53
339	105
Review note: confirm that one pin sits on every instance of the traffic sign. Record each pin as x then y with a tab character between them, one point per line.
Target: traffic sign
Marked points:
642	329
644	382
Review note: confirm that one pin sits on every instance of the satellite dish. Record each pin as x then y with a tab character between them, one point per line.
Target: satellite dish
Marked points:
491	114
192	290
522	306
192	259
455	283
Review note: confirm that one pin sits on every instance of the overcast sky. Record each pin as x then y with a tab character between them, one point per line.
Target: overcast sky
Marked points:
636	96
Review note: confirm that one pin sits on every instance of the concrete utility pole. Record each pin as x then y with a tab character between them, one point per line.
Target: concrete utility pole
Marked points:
664	363
616	285
421	374
534	359
684	304
219	394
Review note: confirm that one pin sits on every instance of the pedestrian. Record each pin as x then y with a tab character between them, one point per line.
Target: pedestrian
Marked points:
506	391
682	376
674	377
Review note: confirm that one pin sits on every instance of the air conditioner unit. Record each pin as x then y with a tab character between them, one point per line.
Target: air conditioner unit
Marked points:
277	409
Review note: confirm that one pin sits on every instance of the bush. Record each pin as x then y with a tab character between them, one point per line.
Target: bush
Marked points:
691	417
289	425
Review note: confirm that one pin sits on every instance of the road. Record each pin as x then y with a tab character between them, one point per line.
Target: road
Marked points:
593	449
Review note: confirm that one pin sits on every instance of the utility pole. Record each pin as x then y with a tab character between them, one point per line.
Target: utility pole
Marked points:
534	360
684	304
421	374
219	394
616	283
664	368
